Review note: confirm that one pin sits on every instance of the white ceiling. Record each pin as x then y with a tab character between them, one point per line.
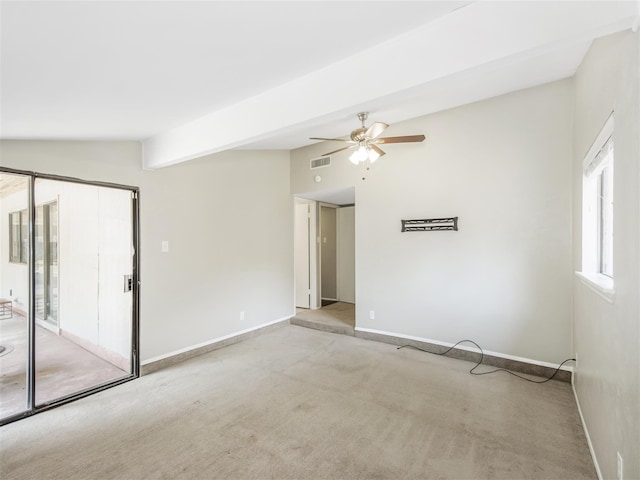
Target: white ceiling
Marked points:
191	78
339	196
130	70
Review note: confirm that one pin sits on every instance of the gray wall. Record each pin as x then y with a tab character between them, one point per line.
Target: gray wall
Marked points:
346	254
607	334
503	166
228	219
328	253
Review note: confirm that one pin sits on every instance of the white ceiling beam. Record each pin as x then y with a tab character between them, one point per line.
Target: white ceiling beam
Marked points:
481	33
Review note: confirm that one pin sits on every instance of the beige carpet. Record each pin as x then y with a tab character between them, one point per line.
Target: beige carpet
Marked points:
339	317
304	404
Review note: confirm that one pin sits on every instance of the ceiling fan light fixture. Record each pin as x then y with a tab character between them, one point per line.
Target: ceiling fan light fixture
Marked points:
360	155
373	155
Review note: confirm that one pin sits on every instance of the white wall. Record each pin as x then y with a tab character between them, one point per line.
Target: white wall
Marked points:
115	254
503	166
607	334
228	219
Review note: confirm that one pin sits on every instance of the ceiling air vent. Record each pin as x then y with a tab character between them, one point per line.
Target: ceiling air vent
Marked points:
320	162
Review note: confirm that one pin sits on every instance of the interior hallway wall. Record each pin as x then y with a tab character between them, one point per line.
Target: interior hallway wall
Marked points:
229	222
503	166
328	253
607	334
346	218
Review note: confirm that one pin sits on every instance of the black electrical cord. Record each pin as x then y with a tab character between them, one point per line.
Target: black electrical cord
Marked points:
472	372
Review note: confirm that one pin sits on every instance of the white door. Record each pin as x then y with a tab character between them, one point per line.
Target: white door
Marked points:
301	255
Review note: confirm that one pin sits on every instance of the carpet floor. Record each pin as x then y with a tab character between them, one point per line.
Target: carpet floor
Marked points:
339	317
306	404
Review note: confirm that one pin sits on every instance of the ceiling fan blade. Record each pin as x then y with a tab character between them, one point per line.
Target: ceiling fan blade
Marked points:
339	150
376	149
407	138
332	139
376	129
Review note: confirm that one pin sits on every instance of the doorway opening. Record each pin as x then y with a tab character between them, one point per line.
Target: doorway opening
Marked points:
324	258
68	280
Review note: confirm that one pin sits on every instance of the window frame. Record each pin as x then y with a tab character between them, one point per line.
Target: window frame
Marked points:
18	252
605	220
597	214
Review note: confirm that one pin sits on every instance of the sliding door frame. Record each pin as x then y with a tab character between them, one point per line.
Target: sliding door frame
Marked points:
31	407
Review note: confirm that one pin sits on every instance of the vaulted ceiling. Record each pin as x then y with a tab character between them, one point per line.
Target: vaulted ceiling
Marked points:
192	78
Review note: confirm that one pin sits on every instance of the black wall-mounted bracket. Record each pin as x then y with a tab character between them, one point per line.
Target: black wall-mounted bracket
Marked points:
428	224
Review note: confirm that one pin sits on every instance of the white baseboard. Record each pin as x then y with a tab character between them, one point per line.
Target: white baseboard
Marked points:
470	349
586	432
212	341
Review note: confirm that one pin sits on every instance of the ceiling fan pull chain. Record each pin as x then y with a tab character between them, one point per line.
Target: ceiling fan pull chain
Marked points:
365	168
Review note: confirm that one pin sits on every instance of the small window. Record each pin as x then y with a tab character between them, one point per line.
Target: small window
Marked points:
19	237
598	205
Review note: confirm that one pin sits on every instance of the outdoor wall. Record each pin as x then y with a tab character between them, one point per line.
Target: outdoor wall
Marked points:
607	333
503	166
14	277
94	242
228	220
87	247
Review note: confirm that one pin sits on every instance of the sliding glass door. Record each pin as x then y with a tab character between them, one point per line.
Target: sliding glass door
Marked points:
76	313
14	294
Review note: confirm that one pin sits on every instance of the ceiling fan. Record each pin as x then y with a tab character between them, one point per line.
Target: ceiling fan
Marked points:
366	140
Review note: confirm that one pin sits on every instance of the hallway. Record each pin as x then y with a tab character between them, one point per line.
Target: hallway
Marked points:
339	317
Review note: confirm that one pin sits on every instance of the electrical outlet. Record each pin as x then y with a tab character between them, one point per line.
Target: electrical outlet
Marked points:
165	246
620	467
372	315
241	315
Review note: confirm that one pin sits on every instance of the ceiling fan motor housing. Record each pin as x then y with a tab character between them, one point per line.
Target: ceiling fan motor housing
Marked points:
358	134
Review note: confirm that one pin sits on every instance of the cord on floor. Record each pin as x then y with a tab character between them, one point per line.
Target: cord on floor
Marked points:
473	372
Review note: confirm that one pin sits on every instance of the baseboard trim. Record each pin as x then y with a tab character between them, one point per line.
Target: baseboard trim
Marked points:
178	356
586	432
99	351
470	354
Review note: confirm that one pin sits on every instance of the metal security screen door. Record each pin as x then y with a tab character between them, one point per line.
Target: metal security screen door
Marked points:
71	290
